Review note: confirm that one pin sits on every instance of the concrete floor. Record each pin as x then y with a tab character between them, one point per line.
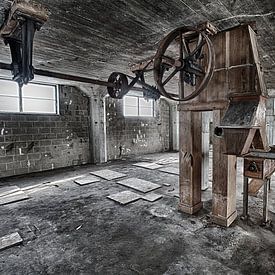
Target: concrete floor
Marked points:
68	229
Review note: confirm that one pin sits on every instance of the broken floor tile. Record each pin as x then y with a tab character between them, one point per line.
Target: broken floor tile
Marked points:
15	197
152	197
7	190
167	161
170	170
108	174
10	240
87	180
124	197
139	184
148	165
166	184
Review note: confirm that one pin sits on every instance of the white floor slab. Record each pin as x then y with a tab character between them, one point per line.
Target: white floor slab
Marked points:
108	174
139	184
170	170
166	184
87	180
152	197
148	165
124	197
14	197
4	191
167	161
10	240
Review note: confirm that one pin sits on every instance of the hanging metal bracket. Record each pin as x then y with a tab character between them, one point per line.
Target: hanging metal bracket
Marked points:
24	19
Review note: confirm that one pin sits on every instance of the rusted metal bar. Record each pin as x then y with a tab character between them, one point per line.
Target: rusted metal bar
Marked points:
265	200
4	66
245	199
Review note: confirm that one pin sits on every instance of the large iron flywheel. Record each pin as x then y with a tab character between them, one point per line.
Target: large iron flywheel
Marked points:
187	55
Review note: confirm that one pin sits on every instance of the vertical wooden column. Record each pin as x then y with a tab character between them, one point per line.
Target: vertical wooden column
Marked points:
190	144
224	180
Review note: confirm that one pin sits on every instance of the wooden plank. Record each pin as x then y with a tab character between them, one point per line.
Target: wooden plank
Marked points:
10	240
203	106
254	48
254	186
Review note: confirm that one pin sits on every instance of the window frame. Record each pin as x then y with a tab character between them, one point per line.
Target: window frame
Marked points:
138	107
20	99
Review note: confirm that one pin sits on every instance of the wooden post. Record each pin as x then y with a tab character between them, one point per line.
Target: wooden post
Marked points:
190	145
224	180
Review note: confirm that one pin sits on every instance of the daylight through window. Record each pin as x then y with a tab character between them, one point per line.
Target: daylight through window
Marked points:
138	106
34	98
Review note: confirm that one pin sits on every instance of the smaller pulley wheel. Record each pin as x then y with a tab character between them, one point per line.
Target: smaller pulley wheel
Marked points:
120	87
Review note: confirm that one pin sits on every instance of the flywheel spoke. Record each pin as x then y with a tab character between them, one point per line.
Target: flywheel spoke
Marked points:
170	77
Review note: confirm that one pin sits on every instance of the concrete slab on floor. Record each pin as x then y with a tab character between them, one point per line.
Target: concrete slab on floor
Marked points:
108	174
151	197
170	170
14	197
10	240
167	161
124	197
139	184
7	190
148	165
87	180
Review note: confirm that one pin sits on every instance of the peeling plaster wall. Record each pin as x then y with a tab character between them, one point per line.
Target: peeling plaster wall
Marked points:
136	135
33	142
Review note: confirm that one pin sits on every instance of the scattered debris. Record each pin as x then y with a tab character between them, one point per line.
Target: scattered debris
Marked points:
124	197
79	227
10	240
139	184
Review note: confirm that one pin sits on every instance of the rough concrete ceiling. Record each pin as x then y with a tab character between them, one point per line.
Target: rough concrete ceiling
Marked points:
95	38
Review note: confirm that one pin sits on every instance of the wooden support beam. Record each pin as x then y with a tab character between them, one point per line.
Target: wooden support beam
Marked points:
224	180
190	161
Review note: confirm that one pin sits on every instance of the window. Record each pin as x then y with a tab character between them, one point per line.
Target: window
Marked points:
138	106
34	98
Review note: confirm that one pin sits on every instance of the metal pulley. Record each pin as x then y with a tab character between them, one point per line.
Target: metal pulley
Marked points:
192	59
185	52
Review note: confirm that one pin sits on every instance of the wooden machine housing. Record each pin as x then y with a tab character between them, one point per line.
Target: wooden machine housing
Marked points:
237	80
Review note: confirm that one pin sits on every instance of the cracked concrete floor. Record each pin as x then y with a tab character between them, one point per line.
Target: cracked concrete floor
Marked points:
68	229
